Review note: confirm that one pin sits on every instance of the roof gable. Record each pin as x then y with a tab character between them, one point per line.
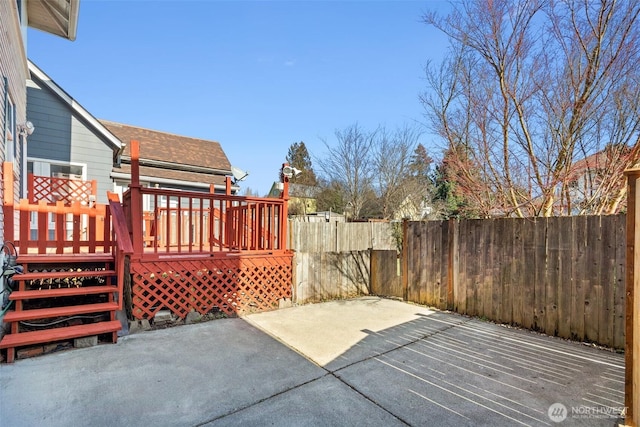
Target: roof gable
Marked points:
170	149
44	81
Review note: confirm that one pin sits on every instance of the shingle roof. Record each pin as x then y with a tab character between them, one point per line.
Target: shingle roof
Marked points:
171	148
173	174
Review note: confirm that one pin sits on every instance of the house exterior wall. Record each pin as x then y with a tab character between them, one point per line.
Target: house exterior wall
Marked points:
13	67
63	137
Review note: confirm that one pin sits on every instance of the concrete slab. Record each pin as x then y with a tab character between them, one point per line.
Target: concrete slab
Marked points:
435	368
325	332
483	374
367	360
323	402
180	376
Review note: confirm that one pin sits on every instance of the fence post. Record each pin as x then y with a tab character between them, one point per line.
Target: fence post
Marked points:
405	260
452	263
136	200
632	323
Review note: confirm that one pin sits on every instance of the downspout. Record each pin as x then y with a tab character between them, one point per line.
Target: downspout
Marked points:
4	119
3	140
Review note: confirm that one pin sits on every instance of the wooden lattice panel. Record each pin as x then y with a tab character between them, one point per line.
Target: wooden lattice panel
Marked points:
233	285
62	189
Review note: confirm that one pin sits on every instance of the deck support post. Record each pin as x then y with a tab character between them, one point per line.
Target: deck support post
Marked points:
136	200
632	315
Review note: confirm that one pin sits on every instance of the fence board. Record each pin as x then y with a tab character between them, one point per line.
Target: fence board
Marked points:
539	285
330	275
528	271
620	295
385	280
607	263
592	286
490	281
565	290
575	314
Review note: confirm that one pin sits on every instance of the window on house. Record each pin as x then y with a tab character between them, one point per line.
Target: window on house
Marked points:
56	170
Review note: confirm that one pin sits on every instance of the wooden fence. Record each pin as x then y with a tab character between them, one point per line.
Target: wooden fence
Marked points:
339	236
320	276
332	259
563	276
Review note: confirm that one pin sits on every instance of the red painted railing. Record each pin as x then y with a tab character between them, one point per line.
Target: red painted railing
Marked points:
187	222
192	222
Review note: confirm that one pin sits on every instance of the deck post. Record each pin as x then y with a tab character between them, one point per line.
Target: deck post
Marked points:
136	200
632	318
284	215
8	201
30	188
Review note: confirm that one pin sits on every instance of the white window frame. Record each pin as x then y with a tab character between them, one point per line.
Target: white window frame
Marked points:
50	162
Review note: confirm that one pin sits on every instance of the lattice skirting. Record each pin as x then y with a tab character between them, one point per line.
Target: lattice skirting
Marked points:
233	285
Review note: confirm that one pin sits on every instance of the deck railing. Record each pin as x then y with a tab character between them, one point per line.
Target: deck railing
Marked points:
61	228
178	222
192	222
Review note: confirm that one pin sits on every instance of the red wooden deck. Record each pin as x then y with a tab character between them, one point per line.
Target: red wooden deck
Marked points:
192	251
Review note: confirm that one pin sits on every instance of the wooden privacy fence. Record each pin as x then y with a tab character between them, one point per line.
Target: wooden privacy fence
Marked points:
320	276
339	236
563	276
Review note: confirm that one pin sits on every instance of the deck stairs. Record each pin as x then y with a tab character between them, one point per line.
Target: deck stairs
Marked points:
59	297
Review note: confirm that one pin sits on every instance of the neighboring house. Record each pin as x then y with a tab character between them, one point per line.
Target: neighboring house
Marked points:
58	17
302	198
597	183
171	161
68	142
413	209
71	143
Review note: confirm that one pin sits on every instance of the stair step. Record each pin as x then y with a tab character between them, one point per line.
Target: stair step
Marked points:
61	292
43	313
41	275
57	334
64	258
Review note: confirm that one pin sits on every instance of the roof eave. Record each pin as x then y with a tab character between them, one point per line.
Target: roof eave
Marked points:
49	16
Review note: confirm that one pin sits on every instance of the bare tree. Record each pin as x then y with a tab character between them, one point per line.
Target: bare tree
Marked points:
392	160
348	165
531	88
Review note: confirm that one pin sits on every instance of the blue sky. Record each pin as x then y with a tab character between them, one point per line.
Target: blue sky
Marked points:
254	76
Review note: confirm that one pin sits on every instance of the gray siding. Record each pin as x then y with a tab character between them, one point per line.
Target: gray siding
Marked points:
12	66
60	135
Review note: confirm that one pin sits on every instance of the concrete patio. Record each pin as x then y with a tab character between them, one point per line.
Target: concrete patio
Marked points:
367	361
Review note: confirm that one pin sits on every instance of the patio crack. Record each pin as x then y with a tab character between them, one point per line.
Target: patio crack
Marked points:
264	399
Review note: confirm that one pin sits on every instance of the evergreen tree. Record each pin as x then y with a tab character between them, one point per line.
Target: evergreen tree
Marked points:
299	158
420	163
